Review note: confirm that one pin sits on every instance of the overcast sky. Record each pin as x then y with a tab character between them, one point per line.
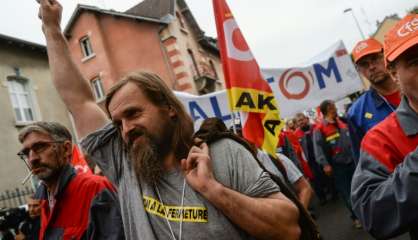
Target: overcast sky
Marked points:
280	33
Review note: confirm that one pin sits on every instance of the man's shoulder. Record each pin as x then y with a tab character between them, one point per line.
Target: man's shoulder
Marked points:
299	133
227	148
319	125
93	182
382	128
381	134
102	134
225	143
384	136
360	104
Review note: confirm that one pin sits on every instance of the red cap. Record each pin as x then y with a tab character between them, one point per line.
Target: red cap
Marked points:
366	47
401	37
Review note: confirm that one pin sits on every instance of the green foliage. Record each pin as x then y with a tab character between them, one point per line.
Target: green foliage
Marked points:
414	10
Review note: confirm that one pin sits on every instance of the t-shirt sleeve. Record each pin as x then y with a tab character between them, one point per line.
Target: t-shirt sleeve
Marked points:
265	159
293	173
105	148
235	167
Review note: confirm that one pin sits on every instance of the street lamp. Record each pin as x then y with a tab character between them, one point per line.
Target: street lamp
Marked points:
355	19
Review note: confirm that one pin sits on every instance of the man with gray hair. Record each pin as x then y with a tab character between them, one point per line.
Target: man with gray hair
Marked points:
73	205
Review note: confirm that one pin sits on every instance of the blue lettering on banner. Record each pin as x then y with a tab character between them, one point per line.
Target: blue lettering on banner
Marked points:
331	69
270	80
196	111
217	110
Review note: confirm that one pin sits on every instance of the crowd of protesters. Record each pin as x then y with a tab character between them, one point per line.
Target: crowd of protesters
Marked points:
158	179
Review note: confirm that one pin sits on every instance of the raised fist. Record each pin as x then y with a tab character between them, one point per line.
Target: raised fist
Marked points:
50	12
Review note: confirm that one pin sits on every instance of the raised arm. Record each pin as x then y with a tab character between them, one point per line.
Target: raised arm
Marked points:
72	87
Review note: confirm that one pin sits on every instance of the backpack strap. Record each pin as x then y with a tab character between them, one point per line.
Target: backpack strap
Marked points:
309	229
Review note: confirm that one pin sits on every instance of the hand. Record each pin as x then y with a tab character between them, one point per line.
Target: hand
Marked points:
50	12
197	168
328	170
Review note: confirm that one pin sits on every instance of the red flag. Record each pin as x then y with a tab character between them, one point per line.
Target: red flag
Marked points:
248	92
79	162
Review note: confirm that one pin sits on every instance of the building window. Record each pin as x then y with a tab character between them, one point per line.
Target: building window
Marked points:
22	101
86	48
193	64
212	65
97	86
180	19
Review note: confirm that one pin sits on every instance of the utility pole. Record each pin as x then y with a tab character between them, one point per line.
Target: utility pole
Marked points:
355	19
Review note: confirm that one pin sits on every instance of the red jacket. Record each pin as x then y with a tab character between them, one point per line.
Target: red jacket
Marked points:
384	187
294	141
332	143
76	200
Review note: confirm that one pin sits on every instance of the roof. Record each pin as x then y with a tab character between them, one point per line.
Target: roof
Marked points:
163	9
81	7
207	42
210	43
22	43
157	9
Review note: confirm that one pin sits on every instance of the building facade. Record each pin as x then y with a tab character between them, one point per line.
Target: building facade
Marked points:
160	36
384	26
26	95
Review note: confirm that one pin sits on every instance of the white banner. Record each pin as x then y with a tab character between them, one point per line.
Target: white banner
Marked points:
330	75
206	106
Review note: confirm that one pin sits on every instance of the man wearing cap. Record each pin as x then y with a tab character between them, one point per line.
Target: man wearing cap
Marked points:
380	100
384	188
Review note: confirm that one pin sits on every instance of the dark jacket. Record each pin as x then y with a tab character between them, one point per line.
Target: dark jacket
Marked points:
85	207
332	144
30	228
304	142
384	188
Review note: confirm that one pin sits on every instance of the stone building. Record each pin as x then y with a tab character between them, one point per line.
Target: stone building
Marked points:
26	95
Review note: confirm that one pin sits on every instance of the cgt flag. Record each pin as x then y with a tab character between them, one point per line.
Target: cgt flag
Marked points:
247	91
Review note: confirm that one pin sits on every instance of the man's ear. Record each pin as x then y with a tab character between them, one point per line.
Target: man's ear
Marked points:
171	112
68	149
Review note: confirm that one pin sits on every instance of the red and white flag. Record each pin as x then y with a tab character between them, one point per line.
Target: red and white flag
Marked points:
248	92
79	162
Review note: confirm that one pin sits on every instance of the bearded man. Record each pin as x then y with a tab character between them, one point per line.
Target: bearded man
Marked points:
168	188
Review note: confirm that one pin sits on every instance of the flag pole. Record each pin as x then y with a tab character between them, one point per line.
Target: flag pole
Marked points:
233	122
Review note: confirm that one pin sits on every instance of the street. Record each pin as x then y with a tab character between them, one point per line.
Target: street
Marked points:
335	224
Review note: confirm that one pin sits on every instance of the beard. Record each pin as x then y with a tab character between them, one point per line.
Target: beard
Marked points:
147	157
379	78
48	172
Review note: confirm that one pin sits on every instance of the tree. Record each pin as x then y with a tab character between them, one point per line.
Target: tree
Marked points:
414	10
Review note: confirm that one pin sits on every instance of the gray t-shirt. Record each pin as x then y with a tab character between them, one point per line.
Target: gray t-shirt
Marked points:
293	173
143	213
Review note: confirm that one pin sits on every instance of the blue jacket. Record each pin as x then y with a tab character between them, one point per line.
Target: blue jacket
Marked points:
367	111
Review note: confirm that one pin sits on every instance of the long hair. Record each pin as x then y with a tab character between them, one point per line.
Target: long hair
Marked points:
160	95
